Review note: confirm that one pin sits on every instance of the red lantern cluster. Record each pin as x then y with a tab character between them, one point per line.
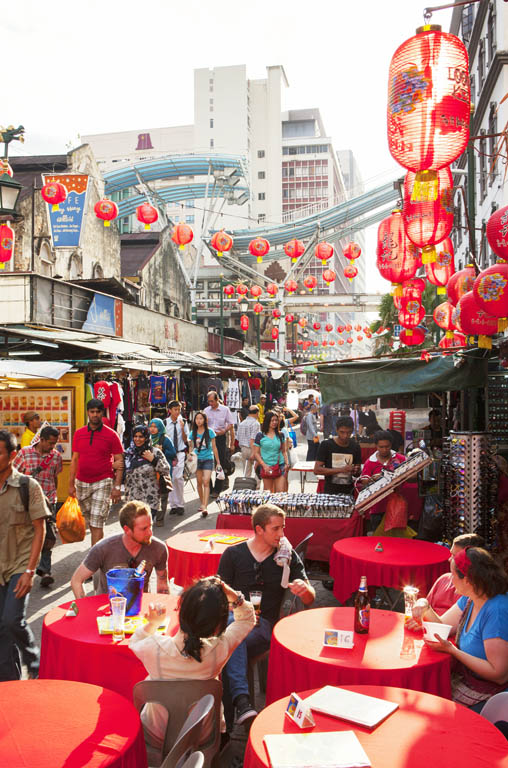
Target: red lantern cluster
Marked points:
474	321
397	256
259	247
221	242
428	209
106	210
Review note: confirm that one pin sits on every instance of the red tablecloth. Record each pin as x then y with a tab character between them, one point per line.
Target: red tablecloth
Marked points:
326	530
61	724
425	731
190	559
402	562
72	649
388	655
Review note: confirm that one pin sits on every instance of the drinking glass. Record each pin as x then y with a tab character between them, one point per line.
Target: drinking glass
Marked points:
410	597
255	599
118	605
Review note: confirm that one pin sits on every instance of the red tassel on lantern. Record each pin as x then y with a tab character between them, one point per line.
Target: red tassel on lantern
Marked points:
497	232
7	241
294	249
428	209
106	210
221	242
259	247
147	215
182	234
397	256
439	271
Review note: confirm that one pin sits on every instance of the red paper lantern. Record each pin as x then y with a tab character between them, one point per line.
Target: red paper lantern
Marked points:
360	337
272	289
491	292
324	252
397	256
276	313
331	343
299	342
368	334
352	251
443	316
294	249
221	242
106	210
412	315
316	326
290	318
275	333
7	241
349	340
460	283
290	286
306	344
474	321
340	329
54	193
348	328
258	308
229	290
427	209
241	290
358	327
340	342
315	343
350	272
413	287
497	231
244	323
439	271
256	291
310	282
366	329
412	338
328	327
428	100
182	234
259	247
147	214
329	276
453	341
302	322
324	343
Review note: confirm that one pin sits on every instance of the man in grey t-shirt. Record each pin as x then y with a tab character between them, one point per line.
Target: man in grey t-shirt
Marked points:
126	550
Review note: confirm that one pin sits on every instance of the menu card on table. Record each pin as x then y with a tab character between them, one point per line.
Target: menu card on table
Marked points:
132	623
335	749
351	706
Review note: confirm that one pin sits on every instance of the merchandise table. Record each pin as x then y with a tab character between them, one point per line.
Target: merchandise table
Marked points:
190	559
62	724
326	530
303	467
402	562
72	649
388	655
424	730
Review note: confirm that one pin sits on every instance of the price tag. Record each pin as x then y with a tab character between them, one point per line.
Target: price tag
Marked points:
338	638
299	713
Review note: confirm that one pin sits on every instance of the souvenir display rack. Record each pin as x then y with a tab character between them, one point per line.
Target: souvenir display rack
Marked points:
389	481
469	485
498	408
294	504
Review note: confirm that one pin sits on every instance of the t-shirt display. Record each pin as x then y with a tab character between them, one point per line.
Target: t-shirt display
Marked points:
332	456
111	553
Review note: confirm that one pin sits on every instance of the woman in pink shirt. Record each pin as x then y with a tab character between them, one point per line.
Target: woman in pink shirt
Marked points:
443	594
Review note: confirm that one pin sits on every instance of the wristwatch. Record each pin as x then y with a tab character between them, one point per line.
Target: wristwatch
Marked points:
239	600
31	572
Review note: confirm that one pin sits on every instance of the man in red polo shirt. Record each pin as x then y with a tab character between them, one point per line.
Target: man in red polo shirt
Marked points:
94	448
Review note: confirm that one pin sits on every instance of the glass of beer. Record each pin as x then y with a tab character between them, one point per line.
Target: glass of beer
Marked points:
410	598
255	599
118	604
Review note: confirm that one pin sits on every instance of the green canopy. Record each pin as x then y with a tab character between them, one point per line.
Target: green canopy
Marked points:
365	380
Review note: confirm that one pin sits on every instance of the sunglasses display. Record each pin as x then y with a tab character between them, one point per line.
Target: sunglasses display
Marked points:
244	502
498	408
469	477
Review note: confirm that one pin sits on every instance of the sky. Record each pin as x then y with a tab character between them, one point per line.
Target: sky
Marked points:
91	67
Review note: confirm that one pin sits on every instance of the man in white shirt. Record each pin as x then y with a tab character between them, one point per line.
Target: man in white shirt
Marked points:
178	431
247	431
220	420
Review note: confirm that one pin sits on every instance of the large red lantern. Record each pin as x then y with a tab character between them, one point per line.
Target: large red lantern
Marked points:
7	240
460	283
352	251
244	323
276	313
328	327
350	272
272	289
258	308
324	343
316	326
290	318
474	321
428	100
340	329
443	316
294	249
329	276
182	234
491	292
106	210
315	343
275	333
259	247
340	342
349	340
412	315
414	287
256	291
497	231
397	256
221	242
331	343
310	282
439	271
147	215
290	286
54	193
302	322
427	209
358	327
324	252
413	338
241	290
360	337
229	290
453	341
348	328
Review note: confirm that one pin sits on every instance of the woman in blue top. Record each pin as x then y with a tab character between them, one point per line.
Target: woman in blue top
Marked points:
202	440
161	440
480	621
270	452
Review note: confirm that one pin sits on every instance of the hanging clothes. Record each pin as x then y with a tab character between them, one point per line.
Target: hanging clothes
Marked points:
158	390
233	399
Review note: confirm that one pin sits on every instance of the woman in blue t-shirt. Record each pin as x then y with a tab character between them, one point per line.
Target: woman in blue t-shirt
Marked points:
270	452
202	440
480	622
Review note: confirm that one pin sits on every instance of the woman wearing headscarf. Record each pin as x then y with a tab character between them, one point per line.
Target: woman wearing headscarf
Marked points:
161	440
144	463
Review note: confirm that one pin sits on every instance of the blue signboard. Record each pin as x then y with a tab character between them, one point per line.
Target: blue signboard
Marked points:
66	223
101	315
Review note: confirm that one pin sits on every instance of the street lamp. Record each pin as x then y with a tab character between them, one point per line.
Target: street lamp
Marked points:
9	189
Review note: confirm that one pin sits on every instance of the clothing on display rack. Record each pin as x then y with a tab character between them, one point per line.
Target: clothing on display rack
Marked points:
157	390
233	401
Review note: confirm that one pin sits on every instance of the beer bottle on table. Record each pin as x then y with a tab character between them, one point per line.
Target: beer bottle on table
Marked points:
362	608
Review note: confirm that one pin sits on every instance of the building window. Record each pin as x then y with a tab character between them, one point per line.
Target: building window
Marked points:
285	150
285	193
189	203
211	143
284	172
261	218
492	129
481	64
261	153
483	167
261	175
472	81
211	122
467	22
189	219
261	195
491	33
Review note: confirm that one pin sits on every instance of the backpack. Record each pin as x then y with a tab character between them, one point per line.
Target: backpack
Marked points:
303	425
24	492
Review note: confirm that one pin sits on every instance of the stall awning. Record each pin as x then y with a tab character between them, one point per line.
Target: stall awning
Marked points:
19	369
364	380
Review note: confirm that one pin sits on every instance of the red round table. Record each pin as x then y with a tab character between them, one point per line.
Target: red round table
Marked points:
190	559
72	649
388	655
425	730
402	562
62	724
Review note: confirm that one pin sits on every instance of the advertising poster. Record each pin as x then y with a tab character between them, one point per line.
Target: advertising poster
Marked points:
66	223
52	405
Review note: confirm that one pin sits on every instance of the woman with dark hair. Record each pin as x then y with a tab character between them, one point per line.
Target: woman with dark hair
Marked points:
143	463
270	452
480	621
202	440
200	648
161	440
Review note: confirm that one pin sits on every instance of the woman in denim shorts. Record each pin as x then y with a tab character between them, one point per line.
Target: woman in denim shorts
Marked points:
202	441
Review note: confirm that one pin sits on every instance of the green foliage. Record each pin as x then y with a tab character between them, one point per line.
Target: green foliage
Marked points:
388	317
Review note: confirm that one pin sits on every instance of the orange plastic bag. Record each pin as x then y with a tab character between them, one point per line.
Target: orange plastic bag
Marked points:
70	521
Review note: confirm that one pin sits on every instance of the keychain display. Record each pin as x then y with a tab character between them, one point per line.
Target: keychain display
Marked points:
244	502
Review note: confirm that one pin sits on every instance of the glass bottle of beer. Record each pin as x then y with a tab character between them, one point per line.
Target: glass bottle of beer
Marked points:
140	569
362	608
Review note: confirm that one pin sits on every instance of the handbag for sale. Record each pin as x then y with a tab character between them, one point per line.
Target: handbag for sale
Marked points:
271	472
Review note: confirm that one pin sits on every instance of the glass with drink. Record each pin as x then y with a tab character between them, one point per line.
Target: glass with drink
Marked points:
255	599
118	604
410	597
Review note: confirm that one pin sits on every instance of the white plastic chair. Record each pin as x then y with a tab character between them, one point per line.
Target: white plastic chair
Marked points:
196	760
191	734
496	708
